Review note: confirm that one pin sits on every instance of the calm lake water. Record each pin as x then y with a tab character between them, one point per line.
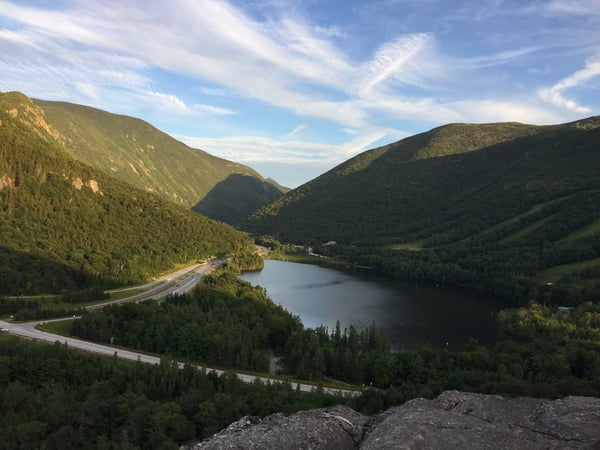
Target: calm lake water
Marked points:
412	316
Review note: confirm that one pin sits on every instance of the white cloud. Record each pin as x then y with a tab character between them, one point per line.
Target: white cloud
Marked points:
476	110
169	102
555	94
500	58
19	39
330	31
480	111
217	92
592	69
307	55
87	89
555	97
256	149
391	58
280	63
574	7
248	149
214	110
110	51
297	130
424	109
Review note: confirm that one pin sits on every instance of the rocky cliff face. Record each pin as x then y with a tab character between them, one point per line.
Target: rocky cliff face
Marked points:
452	420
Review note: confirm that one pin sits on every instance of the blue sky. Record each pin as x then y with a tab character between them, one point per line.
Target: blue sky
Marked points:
293	88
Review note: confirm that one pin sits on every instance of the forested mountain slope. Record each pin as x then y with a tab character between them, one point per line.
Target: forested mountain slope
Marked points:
65	225
493	206
139	154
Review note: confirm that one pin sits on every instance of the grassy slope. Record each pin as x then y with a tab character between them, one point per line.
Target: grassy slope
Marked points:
139	154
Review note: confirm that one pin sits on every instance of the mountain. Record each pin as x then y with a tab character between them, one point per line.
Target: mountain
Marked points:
383	191
139	154
237	196
506	208
66	225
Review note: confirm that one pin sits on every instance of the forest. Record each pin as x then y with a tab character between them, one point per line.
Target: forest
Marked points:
53	397
543	351
225	322
65	226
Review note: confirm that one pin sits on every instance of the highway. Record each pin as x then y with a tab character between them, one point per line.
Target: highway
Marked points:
174	283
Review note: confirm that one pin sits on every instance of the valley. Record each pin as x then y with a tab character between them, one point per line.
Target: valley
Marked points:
91	202
279	224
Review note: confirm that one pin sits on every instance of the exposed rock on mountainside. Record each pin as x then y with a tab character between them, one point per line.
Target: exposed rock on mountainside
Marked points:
92	184
6	181
452	420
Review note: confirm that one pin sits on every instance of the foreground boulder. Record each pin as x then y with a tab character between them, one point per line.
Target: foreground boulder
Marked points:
476	421
452	420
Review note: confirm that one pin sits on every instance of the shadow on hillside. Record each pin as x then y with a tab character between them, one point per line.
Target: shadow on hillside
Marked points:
23	273
235	197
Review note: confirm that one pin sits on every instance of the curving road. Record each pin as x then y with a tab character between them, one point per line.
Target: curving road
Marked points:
29	330
174	283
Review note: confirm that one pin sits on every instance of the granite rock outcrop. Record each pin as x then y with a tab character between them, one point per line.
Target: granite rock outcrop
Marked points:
452	420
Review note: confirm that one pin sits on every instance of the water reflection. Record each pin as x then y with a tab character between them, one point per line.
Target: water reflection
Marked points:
412	316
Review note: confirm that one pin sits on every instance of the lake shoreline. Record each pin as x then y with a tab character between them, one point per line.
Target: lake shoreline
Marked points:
413	316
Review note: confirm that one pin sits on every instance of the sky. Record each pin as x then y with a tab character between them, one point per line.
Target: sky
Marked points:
293	88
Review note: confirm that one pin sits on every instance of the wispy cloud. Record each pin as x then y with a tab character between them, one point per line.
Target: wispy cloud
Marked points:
500	58
87	89
214	110
297	130
170	102
505	111
285	63
287	151
213	91
222	61
391	58
574	7
555	94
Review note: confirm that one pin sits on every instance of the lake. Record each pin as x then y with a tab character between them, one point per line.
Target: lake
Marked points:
412	316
